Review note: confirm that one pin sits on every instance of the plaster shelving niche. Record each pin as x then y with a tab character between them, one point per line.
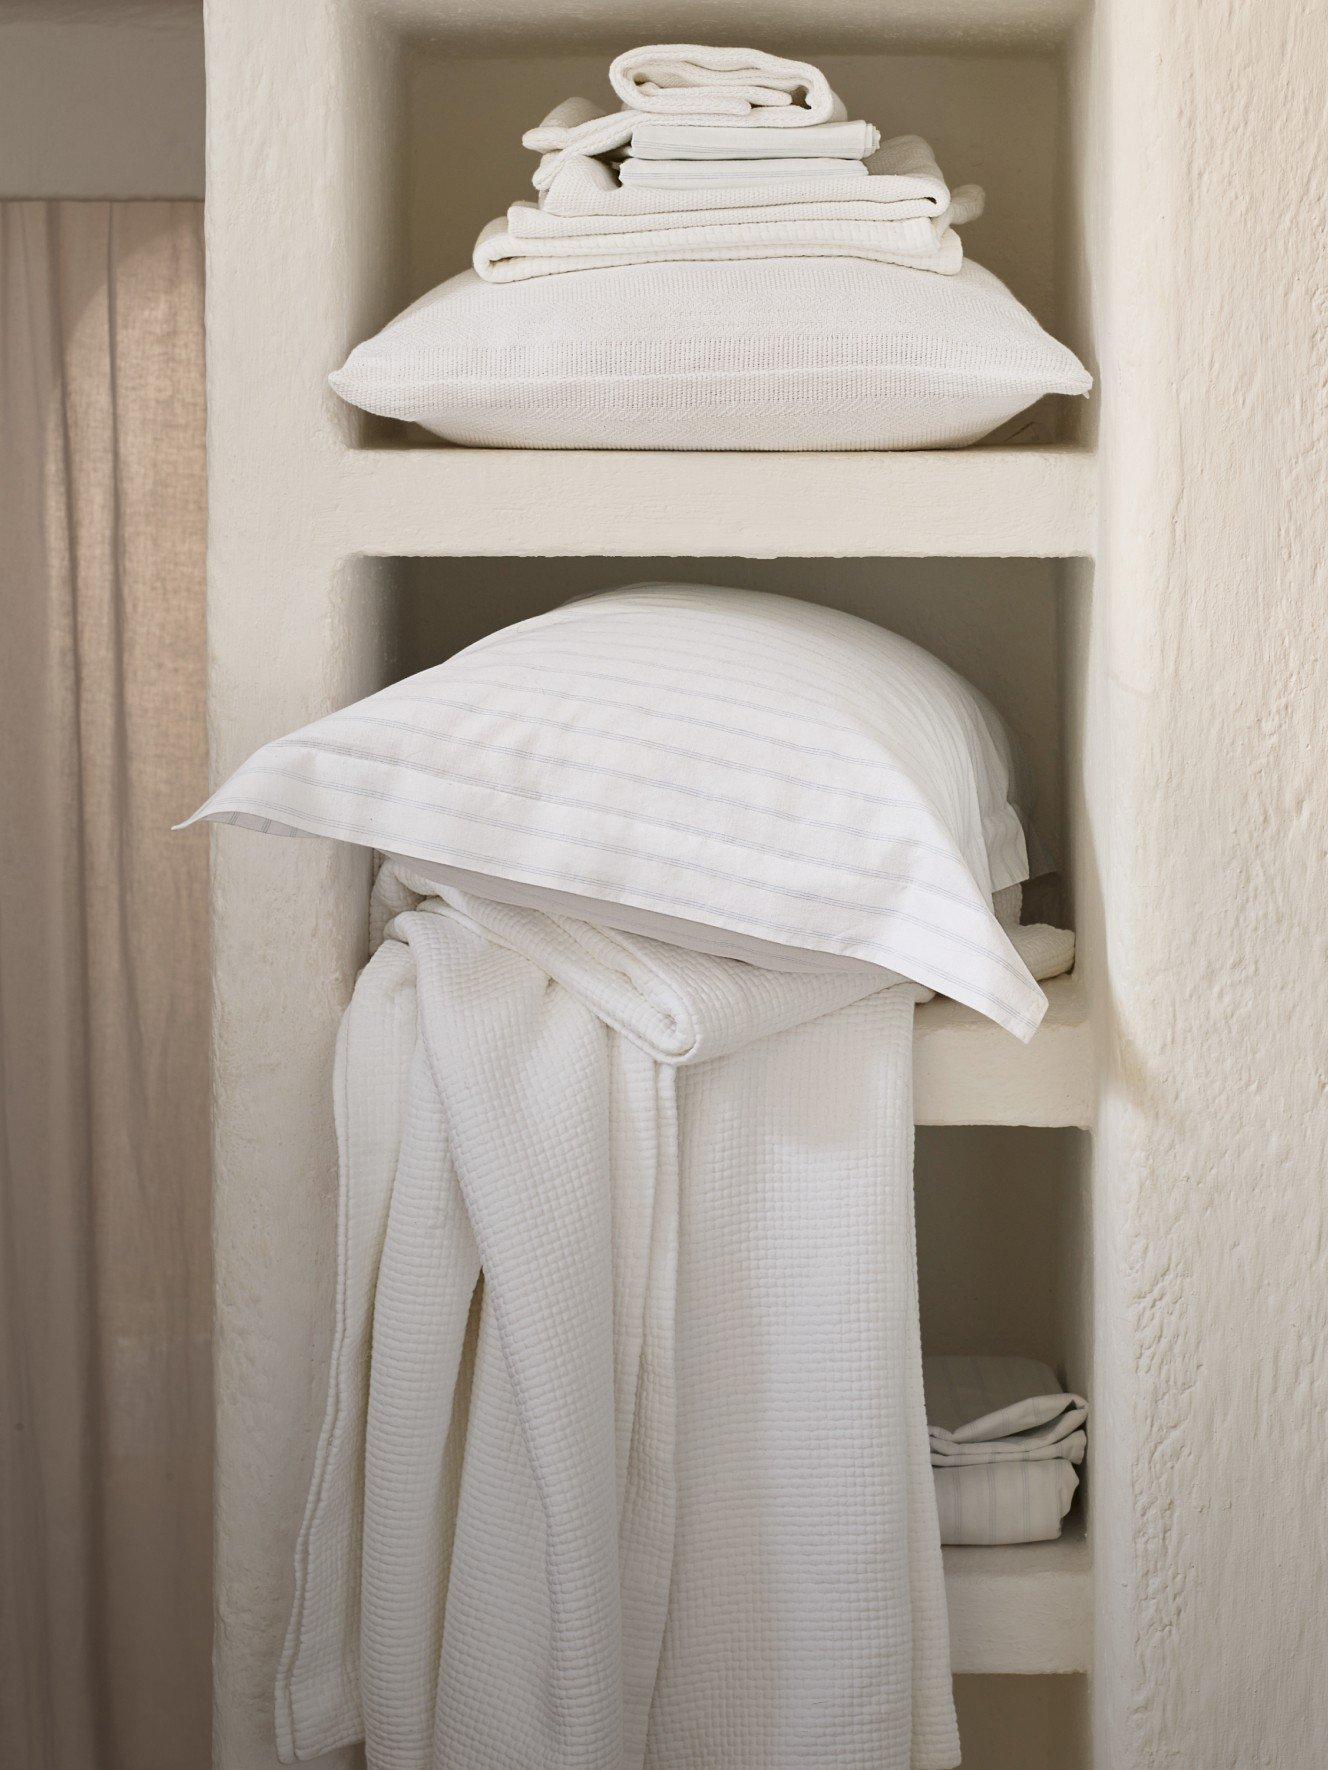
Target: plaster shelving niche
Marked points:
355	149
1027	1611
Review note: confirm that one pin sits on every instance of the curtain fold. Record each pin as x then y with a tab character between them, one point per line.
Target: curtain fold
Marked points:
104	1162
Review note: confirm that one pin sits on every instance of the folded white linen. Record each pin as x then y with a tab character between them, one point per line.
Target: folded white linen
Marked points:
687	175
576	126
694	1522
669	78
919	234
686	140
1000	1409
502	257
1004	1502
902	179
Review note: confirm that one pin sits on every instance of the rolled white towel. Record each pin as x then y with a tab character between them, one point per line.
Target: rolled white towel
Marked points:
673	79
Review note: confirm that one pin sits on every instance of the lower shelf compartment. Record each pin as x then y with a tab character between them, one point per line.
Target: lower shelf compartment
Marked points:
1026	1608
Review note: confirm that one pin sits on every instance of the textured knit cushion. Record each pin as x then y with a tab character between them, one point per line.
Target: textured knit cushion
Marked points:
773	353
779	771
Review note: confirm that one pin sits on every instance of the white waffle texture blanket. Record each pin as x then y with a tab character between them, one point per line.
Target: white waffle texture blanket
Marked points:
663	1498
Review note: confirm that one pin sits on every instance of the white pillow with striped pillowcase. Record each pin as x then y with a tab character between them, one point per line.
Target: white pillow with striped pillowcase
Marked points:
727	769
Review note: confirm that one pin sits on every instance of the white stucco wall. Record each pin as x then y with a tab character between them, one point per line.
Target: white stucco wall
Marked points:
1201	845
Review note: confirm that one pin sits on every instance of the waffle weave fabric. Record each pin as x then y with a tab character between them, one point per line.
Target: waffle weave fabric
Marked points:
674	1508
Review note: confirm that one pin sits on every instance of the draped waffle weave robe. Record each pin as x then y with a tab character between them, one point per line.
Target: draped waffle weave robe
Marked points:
671	1504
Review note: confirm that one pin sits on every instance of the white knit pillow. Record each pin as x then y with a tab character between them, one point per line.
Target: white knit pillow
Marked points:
772	353
765	768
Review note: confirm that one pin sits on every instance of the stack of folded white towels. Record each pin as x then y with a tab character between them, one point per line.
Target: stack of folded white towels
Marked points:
722	154
1005	1439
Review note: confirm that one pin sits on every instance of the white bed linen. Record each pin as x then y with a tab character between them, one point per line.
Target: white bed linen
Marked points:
695	1522
1004	1503
1004	1440
669	79
902	179
689	175
504	256
993	1409
915	235
577	127
849	139
769	767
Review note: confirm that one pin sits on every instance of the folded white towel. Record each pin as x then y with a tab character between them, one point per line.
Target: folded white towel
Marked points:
903	181
1004	1502
701	174
689	78
919	234
688	140
501	257
996	1410
576	126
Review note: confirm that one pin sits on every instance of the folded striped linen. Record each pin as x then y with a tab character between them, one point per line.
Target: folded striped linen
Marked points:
901	178
990	1409
842	140
687	175
578	127
1004	1438
529	243
1004	1503
682	1511
668	79
918	234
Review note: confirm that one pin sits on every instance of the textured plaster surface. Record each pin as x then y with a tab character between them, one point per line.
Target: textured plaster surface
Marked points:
1201	841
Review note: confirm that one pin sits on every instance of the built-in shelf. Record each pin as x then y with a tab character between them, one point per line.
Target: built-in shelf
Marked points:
1026	1608
1037	501
969	1071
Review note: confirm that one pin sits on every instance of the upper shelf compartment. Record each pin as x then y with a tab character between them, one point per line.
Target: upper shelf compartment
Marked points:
398	136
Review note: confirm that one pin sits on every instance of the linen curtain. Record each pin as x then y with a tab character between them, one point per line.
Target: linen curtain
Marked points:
104	1162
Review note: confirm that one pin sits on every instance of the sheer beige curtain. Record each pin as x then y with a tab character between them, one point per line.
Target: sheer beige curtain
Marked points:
104	1274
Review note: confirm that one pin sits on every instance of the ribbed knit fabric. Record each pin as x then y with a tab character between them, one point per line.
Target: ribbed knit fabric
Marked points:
777	353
